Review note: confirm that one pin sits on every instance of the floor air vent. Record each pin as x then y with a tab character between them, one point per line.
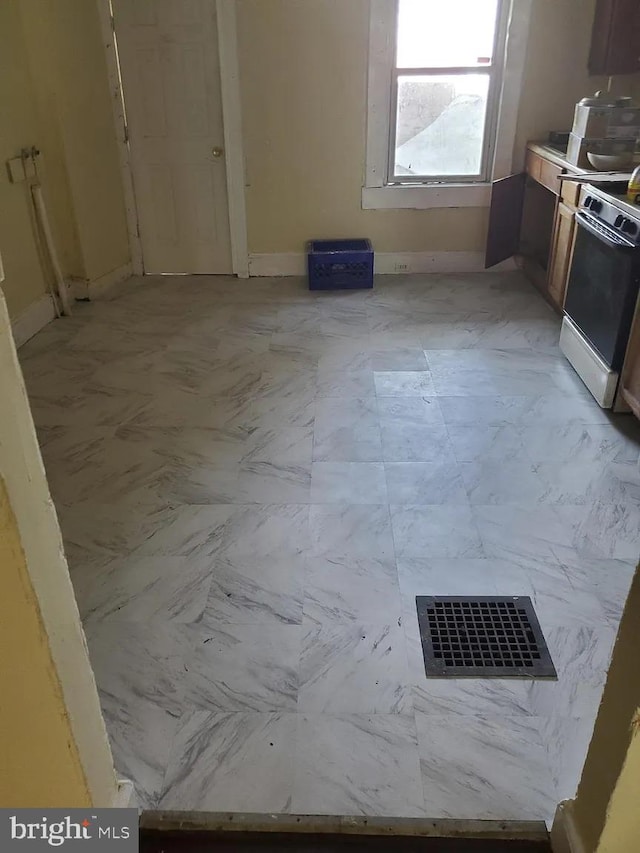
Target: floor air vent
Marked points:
482	637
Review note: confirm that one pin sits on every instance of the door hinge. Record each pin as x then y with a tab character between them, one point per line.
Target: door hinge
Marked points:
113	22
126	134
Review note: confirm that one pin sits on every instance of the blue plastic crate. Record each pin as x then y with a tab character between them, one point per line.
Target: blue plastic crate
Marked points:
340	264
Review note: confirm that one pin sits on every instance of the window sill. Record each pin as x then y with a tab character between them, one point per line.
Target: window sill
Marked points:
426	197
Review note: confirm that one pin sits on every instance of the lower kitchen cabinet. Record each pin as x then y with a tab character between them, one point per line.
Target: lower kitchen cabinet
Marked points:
532	217
561	252
536	232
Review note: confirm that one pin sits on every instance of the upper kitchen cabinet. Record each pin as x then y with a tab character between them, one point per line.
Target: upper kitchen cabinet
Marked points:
615	42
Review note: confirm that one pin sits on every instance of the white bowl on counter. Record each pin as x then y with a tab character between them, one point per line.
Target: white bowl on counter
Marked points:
609	162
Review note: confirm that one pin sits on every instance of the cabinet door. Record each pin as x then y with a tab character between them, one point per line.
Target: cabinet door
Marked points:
615	41
505	213
630	383
562	248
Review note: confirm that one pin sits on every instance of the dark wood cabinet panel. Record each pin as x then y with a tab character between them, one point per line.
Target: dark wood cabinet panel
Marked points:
615	42
536	230
505	213
630	384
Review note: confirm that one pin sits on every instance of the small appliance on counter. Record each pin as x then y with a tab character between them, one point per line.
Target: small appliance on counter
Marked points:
606	127
603	286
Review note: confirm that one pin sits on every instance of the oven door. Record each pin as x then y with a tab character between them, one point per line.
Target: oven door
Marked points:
603	288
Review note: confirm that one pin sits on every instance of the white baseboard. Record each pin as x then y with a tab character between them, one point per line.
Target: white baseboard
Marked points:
565	837
386	263
284	264
103	287
125	796
401	263
36	317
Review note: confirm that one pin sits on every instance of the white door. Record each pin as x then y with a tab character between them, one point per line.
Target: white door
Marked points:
170	68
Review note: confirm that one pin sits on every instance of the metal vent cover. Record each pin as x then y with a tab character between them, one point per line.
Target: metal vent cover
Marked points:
482	637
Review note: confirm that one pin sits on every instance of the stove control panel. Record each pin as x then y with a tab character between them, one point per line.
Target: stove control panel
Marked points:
593	204
613	212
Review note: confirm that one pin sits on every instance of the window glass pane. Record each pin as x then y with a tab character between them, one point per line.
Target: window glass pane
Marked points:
445	33
440	124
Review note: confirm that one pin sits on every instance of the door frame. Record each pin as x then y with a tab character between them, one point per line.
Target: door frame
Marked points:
232	126
48	591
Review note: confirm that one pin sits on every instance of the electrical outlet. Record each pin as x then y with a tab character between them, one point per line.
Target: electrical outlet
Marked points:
401	267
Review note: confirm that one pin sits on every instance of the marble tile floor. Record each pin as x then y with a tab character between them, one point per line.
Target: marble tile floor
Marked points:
254	482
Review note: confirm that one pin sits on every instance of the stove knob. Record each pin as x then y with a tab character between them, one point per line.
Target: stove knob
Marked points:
588	201
596	206
619	220
629	227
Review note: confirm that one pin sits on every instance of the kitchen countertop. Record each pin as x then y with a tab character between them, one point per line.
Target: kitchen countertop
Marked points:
556	155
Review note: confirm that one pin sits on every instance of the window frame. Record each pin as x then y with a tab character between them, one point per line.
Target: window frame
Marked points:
447	191
492	70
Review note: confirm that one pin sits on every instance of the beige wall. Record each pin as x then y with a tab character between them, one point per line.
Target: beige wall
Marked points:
555	75
53	742
39	764
54	94
612	736
303	67
621	833
303	73
18	127
70	73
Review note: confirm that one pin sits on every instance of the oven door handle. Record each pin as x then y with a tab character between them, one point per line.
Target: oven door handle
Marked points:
616	241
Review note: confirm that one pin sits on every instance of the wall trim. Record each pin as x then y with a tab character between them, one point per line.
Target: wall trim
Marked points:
36	317
233	139
103	287
25	478
401	263
511	87
386	263
278	264
501	831
382	20
565	837
120	130
395	197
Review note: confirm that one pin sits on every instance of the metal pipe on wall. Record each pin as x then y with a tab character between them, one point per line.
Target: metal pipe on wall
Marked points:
43	218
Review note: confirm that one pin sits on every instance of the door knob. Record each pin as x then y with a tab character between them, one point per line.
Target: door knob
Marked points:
217	152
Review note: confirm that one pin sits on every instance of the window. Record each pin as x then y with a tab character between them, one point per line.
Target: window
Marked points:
444	83
446	77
